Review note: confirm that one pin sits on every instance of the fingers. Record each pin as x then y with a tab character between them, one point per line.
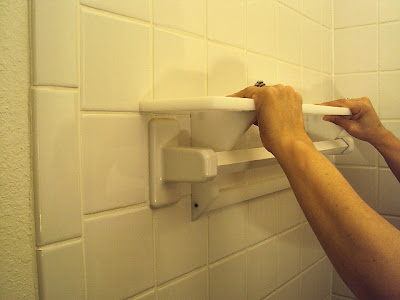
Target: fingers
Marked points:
339	120
246	93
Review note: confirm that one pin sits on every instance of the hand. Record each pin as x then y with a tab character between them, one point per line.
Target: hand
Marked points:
279	115
364	123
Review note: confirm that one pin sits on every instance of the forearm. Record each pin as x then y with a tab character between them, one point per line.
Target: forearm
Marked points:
389	147
361	245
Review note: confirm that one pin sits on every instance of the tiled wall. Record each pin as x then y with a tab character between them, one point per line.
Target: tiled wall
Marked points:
92	62
367	63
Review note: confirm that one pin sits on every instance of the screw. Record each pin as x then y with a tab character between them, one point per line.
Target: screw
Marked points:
196	205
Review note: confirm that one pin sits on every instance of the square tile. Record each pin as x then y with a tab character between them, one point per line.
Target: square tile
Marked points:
226	21
327	87
349	61
179	71
56	165
389	10
358	86
326	56
226	70
119	263
115	62
139	9
289	255
228	278
311	250
261	68
312	9
227	231
181	244
295	4
289	211
114	162
327	13
289	35
263	218
290	291
54	43
261	22
312	45
312	87
191	287
389	105
389	46
180	14
395	221
316	281
363	181
389	189
394	127
289	74
356	13
261	269
60	272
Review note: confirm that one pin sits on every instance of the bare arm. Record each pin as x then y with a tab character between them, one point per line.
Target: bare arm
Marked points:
361	245
365	125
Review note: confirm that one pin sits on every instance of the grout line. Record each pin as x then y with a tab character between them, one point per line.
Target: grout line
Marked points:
356	26
59	243
55	88
183	276
113	15
115	211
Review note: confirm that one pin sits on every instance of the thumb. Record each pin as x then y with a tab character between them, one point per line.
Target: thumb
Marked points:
339	120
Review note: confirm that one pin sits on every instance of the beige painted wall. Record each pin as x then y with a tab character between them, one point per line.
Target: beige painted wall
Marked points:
18	279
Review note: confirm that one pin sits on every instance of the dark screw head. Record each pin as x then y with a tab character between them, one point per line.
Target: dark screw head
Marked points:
196	205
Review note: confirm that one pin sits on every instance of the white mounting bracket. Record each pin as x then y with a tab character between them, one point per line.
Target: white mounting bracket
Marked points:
171	164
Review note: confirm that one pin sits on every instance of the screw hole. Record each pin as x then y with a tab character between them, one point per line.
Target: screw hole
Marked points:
196	205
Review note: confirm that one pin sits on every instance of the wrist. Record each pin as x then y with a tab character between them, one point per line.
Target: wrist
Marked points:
381	138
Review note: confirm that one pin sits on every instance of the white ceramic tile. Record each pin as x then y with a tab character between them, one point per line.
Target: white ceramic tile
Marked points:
139	9
261	26
394	127
228	278
358	86
326	56
261	68
54	43
389	46
339	287
263	218
312	9
226	21
364	154
389	10
114	164
179	66
363	181
181	244
349	61
226	70
261	270
354	13
227	231
290	291
389	105
289	35
327	13
115	62
146	296
119	254
316	281
295	4
273	296
327	87
289	255
192	287
290	75
60	272
312	87
289	211
312	45
311	250
389	189
180	14
56	165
